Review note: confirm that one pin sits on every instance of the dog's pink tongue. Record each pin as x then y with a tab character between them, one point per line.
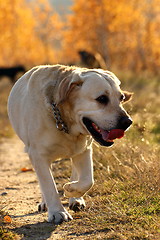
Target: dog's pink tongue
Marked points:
115	133
111	135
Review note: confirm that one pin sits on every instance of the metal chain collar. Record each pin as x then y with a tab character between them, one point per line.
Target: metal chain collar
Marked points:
60	125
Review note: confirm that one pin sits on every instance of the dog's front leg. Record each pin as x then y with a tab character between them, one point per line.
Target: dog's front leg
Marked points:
56	212
76	204
83	170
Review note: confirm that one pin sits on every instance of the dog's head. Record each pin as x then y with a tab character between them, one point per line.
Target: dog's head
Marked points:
95	101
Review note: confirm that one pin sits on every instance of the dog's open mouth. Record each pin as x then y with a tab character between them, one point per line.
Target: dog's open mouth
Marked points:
103	137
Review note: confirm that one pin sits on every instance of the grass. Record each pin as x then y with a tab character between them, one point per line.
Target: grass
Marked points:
124	202
5	234
5	129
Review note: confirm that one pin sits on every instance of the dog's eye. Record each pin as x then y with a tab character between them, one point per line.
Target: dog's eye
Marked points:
103	99
122	97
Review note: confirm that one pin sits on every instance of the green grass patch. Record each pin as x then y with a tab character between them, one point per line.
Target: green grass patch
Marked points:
125	212
156	131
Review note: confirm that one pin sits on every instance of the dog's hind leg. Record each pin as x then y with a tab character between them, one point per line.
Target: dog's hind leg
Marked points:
56	212
83	167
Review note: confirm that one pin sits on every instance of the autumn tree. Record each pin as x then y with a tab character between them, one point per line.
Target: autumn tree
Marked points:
16	29
48	28
124	32
88	28
28	32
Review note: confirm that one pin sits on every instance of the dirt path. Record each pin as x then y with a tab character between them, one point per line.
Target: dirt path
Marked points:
20	194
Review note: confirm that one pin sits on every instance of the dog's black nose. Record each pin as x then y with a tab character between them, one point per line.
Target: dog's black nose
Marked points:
124	122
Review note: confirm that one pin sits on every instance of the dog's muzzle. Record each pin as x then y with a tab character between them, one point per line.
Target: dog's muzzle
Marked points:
106	137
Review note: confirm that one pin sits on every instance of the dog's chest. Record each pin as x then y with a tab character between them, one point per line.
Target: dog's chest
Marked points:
79	146
68	148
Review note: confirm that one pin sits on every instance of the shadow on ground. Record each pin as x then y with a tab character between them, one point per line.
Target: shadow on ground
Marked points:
37	231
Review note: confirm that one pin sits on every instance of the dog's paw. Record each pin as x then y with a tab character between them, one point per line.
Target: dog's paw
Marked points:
42	207
77	189
72	190
59	217
77	204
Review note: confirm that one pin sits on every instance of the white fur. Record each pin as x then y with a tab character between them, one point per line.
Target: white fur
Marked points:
32	118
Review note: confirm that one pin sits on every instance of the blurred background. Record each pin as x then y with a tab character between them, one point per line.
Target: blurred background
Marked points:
122	34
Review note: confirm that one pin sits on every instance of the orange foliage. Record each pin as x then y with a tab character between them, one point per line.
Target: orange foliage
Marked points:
124	32
24	38
49	30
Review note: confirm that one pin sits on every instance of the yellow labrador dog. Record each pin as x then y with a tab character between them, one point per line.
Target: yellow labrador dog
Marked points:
57	111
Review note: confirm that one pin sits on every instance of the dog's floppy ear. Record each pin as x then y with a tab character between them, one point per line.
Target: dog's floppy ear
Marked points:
67	85
127	96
